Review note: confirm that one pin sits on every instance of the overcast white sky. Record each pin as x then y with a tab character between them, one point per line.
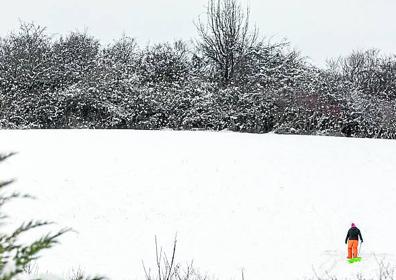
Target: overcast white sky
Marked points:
318	28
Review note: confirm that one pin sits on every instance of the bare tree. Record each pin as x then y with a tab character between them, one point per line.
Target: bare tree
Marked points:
226	38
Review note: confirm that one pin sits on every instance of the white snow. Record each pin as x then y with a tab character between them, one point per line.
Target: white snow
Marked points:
277	207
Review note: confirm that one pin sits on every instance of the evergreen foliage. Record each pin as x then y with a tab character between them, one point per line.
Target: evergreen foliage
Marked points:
15	256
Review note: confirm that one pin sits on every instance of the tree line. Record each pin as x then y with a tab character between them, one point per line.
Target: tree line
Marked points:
227	78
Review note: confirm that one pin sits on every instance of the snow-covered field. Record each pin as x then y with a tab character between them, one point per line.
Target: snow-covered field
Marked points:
277	207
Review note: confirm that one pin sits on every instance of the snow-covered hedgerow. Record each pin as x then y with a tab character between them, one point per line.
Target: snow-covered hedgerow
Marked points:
75	82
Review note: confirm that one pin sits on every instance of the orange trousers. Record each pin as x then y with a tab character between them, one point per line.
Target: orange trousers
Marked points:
352	248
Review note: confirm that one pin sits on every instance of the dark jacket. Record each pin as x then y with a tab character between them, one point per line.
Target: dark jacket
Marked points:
353	234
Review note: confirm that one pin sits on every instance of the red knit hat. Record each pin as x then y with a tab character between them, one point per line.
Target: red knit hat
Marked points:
353	225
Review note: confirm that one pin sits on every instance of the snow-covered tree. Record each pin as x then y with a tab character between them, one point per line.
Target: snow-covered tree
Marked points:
25	72
119	61
25	60
165	64
372	73
74	58
272	66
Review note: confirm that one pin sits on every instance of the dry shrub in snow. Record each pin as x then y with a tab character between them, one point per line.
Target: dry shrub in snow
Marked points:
384	271
168	269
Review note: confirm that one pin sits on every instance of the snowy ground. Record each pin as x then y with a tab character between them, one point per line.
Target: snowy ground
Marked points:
276	206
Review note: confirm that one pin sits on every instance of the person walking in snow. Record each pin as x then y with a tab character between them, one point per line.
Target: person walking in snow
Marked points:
352	239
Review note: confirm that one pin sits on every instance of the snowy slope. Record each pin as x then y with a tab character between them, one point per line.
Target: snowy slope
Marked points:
276	206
